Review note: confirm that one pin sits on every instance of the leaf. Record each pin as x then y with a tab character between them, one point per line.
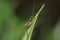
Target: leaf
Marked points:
28	33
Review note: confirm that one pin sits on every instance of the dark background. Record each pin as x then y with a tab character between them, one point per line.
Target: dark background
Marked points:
46	20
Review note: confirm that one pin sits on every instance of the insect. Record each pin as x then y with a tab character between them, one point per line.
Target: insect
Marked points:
29	22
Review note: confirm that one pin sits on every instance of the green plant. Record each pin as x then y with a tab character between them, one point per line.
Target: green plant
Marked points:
28	33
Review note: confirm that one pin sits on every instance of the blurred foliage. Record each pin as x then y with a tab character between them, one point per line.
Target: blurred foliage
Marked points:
11	27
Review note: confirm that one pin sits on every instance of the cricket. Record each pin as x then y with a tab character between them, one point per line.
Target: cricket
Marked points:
31	18
29	22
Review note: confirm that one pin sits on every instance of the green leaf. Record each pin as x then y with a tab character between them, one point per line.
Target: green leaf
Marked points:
28	33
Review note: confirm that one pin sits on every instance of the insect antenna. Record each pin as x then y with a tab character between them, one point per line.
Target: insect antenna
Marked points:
33	10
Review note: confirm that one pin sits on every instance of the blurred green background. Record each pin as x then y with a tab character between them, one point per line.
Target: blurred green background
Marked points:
15	13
